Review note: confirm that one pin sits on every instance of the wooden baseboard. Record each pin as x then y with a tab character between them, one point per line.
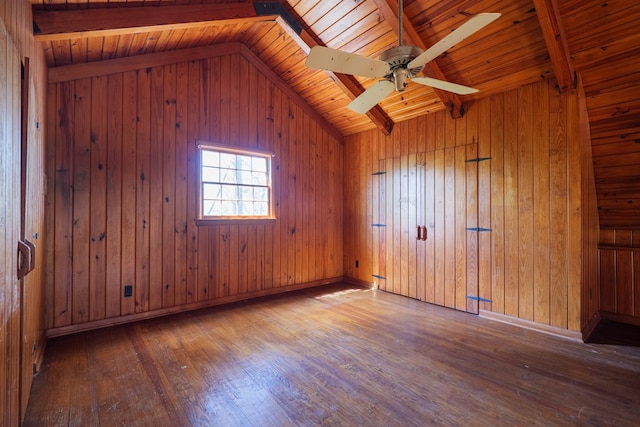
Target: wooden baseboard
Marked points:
527	324
105	323
358	282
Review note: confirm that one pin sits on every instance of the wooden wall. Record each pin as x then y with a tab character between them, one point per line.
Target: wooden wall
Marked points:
123	167
21	304
10	221
619	253
530	194
590	217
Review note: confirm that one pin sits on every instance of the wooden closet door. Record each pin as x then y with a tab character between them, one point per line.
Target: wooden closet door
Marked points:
437	190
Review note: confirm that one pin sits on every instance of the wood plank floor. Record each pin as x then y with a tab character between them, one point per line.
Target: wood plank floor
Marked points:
335	355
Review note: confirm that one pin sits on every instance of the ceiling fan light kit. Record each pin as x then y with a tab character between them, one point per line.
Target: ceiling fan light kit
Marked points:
397	65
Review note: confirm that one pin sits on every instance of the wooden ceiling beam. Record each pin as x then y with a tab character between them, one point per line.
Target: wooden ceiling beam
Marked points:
556	41
105	67
349	85
50	25
389	9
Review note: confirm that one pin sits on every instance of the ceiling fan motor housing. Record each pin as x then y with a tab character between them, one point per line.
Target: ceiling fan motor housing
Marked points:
398	57
400	78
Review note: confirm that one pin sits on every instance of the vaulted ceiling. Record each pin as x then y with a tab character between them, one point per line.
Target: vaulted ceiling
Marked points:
596	40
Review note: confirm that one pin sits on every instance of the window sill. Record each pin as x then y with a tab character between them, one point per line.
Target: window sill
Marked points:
234	221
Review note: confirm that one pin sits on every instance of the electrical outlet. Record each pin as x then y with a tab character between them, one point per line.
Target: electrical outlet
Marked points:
128	290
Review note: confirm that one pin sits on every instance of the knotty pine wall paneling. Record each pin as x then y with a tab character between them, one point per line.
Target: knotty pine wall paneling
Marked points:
21	304
113	193
533	194
581	148
619	256
125	170
10	308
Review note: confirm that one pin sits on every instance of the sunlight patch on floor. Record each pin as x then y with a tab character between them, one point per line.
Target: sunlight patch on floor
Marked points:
337	294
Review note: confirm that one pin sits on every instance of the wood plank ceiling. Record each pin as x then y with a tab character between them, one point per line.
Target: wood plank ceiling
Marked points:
533	39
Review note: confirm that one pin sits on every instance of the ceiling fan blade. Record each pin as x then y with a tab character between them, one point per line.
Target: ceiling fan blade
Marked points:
473	25
324	58
371	96
448	86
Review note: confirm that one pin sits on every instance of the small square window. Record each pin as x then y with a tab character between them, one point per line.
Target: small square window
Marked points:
235	183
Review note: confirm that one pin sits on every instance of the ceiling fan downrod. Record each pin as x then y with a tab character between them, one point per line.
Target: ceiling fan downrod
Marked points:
400	13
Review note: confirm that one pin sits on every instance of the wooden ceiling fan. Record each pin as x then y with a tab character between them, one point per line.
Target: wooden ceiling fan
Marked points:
397	64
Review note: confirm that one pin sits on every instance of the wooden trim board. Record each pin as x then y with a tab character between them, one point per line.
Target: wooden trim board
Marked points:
104	323
526	324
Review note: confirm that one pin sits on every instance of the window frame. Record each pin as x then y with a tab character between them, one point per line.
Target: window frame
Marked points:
201	219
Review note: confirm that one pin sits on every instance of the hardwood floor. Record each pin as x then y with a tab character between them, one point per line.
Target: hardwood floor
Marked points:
334	355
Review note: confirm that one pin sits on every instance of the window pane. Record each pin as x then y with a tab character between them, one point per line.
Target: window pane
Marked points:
246	193
211	191
207	207
210	174
228	176
259	164
246	208
229	192
210	158
260	194
259	178
261	208
229	208
244	177
227	161
217	208
244	163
